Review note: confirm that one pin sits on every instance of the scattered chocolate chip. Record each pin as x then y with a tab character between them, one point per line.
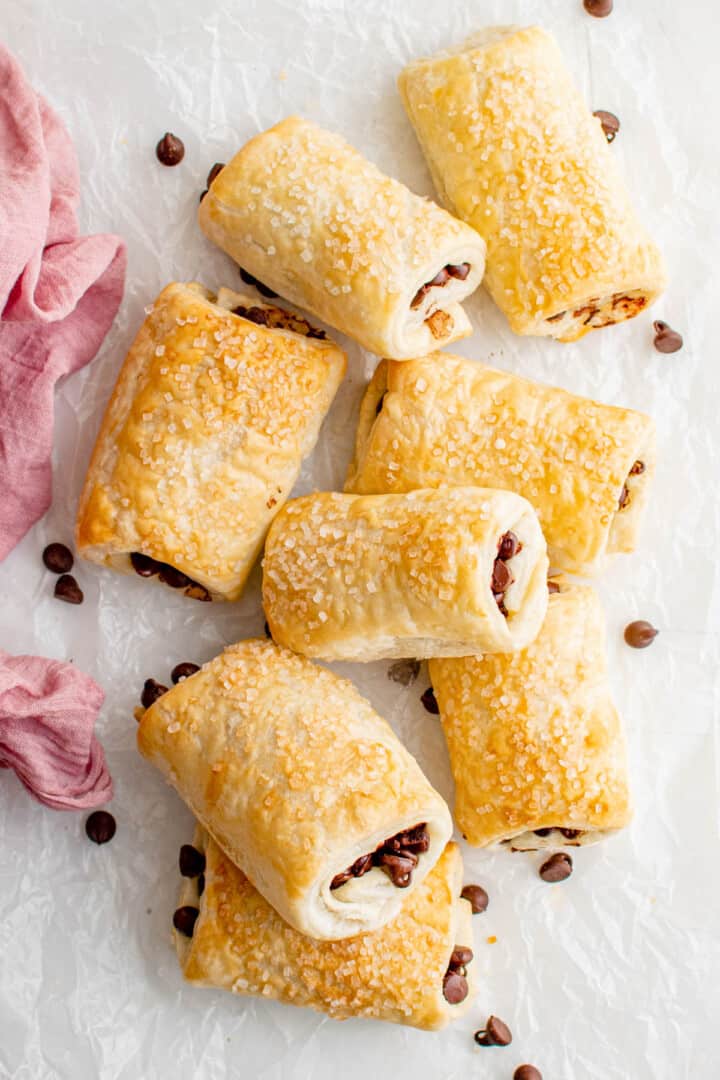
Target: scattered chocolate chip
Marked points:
638	468
640	634
58	558
557	868
185	918
67	589
599	8
461	957
264	290
666	339
183	671
191	861
143	564
509	545
430	701
477	896
404	671
151	691
495	1033
201	884
170	150
455	987
527	1072
172	577
553	587
215	171
610	123
100	826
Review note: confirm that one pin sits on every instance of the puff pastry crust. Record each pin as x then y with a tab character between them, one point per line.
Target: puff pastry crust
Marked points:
295	776
203	438
535	740
585	467
514	150
308	215
364	577
241	944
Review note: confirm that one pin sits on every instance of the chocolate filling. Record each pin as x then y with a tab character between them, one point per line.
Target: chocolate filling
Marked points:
278	319
625	306
455	987
147	567
569	834
502	577
459	271
637	469
397	856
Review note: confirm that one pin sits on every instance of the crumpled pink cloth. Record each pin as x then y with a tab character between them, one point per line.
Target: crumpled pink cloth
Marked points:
47	716
59	292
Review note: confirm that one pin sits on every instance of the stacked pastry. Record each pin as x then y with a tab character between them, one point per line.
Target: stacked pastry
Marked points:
322	872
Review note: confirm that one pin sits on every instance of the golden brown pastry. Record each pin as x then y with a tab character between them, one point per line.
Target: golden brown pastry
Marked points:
232	939
432	573
536	745
308	215
218	402
514	150
303	785
585	467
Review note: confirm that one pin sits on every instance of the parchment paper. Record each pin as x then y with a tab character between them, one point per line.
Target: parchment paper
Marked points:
613	974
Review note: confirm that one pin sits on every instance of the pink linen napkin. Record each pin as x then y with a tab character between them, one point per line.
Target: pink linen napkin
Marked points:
47	715
59	292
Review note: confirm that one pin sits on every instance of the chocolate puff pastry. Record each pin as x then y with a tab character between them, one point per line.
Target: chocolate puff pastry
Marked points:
536	744
431	573
308	215
514	150
218	402
302	784
417	970
585	467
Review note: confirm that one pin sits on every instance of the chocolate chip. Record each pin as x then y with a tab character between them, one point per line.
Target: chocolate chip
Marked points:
185	918
58	558
509	545
358	868
599	8
610	123
67	589
170	150
666	339
553	587
100	826
143	564
416	840
183	671
624	497
191	861
201	885
640	634
501	576
527	1072
215	171
638	468
404	671
461	957
430	701
264	290
398	867
542	832
459	271
571	834
440	278
151	692
477	896
557	868
495	1033
455	987
172	577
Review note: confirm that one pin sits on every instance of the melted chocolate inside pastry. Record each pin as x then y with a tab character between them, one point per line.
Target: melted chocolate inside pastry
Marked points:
502	578
397	856
278	319
459	271
147	567
637	469
455	986
605	312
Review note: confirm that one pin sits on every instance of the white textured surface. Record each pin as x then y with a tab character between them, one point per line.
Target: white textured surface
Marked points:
613	975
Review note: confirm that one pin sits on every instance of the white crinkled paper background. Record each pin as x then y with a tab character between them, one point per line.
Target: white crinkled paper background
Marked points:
613	975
